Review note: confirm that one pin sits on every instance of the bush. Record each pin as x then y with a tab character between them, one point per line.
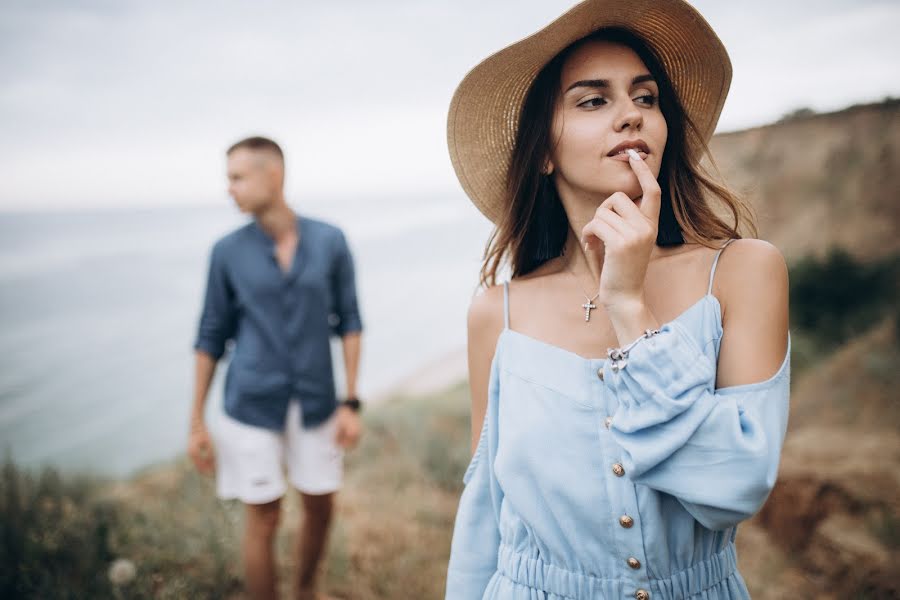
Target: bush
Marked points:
59	538
835	298
797	114
54	536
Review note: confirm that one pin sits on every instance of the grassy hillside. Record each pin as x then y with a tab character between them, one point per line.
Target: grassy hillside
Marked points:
60	536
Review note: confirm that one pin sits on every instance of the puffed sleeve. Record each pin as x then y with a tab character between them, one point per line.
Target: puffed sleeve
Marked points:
716	451
476	535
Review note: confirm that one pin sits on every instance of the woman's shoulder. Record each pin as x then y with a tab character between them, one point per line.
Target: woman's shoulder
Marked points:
751	261
485	324
486	310
752	278
738	259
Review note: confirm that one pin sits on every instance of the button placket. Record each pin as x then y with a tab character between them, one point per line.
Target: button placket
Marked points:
629	534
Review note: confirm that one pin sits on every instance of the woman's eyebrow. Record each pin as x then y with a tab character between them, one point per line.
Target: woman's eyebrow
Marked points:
603	83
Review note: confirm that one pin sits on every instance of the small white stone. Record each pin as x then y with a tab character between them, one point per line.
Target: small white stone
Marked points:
122	571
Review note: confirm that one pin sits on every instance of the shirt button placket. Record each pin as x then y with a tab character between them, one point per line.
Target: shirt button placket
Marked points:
625	521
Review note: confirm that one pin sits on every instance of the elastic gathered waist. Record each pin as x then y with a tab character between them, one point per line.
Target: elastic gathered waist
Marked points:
540	575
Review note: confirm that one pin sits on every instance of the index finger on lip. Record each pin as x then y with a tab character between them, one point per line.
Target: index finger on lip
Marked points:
644	174
649	186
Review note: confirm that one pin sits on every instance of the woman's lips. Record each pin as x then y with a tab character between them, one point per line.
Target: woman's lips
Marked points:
623	157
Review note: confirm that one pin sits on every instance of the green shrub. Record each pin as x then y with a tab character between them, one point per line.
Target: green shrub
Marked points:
54	536
838	297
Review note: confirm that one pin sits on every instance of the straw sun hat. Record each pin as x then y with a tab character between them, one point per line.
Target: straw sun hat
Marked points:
484	112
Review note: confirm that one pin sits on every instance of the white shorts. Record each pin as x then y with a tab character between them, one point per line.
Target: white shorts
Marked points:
251	461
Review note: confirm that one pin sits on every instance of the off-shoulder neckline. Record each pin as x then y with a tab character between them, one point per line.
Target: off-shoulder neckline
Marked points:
575	356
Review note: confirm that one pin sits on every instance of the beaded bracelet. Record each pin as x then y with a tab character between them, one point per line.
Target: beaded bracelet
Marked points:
618	357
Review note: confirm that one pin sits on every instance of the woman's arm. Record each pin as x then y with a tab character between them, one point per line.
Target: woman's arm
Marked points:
476	538
715	447
485	322
752	283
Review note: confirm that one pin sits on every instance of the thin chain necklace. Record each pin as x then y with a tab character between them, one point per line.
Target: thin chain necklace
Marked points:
589	305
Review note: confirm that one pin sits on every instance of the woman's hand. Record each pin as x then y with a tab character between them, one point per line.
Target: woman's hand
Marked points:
624	231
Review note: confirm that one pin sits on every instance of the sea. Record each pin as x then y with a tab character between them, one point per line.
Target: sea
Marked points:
99	311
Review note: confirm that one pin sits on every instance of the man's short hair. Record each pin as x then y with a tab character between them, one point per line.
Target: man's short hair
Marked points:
257	143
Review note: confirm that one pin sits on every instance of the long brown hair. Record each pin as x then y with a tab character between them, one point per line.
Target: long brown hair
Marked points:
534	227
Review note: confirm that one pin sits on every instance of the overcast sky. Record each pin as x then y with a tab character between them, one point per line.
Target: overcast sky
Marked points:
126	103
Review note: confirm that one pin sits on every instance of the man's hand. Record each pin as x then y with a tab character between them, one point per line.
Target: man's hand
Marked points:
349	428
200	449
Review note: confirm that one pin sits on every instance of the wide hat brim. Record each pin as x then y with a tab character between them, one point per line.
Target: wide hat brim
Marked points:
484	112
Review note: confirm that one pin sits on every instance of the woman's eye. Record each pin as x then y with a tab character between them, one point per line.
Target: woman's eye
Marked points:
646	99
593	102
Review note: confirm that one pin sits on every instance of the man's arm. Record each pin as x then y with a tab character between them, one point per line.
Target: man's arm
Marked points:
200	446
217	325
349	425
351	343
350	329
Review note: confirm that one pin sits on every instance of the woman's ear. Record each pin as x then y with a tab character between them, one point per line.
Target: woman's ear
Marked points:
548	167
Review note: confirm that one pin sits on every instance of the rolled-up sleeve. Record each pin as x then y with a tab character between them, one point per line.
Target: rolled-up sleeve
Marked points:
716	451
218	319
346	310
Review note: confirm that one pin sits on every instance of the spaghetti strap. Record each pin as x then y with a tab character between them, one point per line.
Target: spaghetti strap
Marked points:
505	305
712	271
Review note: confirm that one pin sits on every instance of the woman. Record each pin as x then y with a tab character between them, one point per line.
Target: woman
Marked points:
630	384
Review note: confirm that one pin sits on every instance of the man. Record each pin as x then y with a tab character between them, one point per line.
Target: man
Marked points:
278	288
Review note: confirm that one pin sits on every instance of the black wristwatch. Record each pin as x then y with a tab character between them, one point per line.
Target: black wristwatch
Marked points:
352	403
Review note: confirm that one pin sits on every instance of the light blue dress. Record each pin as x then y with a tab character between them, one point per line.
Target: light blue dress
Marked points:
592	484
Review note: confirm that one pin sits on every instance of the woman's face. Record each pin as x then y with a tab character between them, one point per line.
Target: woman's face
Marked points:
608	102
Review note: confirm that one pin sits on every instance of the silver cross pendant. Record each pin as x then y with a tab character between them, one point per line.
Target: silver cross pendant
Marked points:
588	307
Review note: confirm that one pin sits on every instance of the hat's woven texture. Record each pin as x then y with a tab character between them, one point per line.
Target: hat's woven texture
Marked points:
484	112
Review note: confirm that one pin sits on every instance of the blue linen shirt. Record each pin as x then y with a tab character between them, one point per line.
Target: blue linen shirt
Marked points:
280	322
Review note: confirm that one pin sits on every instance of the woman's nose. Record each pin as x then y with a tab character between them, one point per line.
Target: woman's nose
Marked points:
629	117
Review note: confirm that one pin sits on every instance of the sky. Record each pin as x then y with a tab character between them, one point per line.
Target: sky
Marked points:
121	103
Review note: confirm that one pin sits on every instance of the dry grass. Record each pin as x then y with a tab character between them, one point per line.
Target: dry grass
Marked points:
391	537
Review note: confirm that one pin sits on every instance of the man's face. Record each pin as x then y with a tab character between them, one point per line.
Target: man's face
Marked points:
254	179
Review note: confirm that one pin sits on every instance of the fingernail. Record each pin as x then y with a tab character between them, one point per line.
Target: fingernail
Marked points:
586	247
631	152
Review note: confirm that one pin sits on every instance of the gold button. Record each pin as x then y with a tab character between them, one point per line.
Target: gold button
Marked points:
634	563
642	595
600	373
618	470
626	521
608	422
